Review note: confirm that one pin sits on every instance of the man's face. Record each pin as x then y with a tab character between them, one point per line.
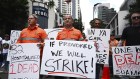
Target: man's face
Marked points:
68	21
32	20
6	37
97	24
135	18
112	37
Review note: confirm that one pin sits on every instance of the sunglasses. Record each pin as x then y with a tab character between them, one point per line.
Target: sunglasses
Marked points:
136	17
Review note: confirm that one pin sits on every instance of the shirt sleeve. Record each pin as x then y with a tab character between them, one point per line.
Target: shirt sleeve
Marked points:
81	37
57	37
44	35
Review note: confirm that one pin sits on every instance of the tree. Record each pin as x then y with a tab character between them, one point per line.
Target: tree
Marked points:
135	7
51	4
13	15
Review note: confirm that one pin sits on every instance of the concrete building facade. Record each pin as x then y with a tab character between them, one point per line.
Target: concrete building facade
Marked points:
118	23
106	14
53	15
72	8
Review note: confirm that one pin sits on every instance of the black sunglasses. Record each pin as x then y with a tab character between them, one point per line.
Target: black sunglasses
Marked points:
136	17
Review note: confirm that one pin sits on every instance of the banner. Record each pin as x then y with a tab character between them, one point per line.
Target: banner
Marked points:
69	58
101	38
24	61
126	60
52	33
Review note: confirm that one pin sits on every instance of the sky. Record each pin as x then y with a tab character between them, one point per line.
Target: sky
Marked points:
87	9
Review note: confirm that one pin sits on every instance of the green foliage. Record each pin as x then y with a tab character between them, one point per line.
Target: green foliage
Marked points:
51	4
135	7
13	14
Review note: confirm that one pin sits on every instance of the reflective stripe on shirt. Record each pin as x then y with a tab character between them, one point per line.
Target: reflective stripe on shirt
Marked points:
32	39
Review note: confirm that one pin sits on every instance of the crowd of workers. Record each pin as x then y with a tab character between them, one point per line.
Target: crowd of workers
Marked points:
34	34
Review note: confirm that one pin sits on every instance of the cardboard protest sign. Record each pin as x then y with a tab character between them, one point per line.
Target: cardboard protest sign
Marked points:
24	61
13	39
14	36
52	33
126	60
101	39
69	58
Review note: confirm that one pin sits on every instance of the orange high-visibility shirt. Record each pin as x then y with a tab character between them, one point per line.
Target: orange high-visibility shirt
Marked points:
36	35
70	34
113	43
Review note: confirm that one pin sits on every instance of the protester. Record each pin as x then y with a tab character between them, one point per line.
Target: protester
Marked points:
112	43
33	34
5	46
131	34
96	24
69	33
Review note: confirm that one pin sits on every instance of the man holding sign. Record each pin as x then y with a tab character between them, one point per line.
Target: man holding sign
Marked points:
96	23
130	35
69	33
33	33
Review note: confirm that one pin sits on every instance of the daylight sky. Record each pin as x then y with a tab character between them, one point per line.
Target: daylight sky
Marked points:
87	8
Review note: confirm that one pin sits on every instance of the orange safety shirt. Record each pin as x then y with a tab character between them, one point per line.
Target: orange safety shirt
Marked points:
35	35
113	43
70	34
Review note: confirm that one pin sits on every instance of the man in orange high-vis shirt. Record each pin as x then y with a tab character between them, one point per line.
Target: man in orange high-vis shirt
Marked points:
112	43
33	34
69	33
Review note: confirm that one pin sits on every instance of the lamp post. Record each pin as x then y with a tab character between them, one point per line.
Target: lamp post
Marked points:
94	8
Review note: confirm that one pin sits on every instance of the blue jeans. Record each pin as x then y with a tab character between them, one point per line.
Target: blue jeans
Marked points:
6	63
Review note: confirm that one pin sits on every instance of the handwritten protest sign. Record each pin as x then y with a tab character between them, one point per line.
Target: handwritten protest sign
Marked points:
13	39
52	33
69	58
14	36
126	60
24	61
101	37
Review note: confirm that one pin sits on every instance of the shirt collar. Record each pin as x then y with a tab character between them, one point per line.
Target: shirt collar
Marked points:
32	27
68	29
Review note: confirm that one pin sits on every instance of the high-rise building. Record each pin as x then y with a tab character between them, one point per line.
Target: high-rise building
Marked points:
39	8
72	8
106	14
118	23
